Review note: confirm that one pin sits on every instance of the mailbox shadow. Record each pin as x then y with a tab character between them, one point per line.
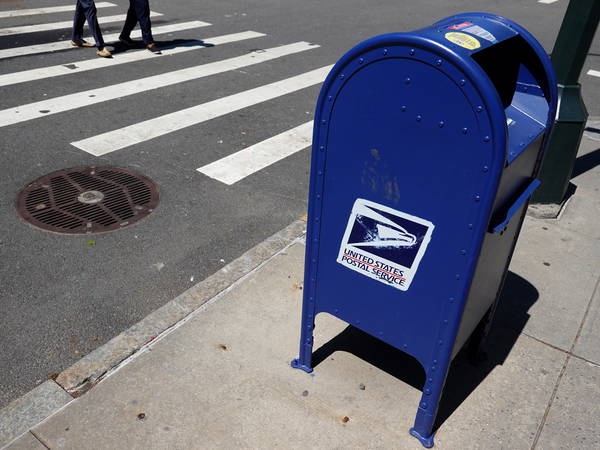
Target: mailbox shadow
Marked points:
518	295
119	47
375	352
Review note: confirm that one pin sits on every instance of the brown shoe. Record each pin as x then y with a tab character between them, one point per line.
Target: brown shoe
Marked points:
103	52
82	44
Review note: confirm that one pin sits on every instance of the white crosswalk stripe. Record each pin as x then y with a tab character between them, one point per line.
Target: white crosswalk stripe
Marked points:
47	10
86	98
62	45
239	165
60	25
159	126
98	63
593	73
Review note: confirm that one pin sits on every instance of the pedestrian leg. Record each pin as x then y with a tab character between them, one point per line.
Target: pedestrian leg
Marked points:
78	22
89	7
92	20
129	24
142	11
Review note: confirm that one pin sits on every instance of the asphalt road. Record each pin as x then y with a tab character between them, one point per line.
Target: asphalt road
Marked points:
61	297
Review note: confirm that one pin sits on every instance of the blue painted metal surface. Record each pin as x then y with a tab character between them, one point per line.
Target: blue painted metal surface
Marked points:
516	206
416	153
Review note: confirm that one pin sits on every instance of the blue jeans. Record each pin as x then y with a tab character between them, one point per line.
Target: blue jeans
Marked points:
139	11
86	10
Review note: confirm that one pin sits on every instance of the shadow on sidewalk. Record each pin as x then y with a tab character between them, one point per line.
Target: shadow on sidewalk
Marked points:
518	295
119	47
587	162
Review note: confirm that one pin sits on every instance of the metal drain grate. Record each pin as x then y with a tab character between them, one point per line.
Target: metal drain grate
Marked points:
86	200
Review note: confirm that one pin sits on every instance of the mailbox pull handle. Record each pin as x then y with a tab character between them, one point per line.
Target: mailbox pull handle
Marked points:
517	205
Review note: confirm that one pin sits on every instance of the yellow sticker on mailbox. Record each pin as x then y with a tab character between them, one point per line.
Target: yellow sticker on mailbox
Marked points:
463	39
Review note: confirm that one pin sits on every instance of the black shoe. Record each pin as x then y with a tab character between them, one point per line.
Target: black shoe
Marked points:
126	40
154	49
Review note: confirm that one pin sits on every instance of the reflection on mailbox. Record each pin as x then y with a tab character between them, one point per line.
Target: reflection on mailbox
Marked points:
425	150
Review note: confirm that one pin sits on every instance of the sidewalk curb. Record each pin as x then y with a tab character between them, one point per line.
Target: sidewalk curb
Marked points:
30	409
87	372
82	375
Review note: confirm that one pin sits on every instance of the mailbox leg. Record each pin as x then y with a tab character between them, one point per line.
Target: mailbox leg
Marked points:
475	348
304	360
428	406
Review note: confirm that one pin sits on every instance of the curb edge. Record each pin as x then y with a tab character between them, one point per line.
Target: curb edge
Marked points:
77	379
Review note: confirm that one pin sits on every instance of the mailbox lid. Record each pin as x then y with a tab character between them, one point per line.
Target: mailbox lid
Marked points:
517	65
534	95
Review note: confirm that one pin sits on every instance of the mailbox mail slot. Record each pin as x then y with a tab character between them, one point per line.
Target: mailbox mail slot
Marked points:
425	150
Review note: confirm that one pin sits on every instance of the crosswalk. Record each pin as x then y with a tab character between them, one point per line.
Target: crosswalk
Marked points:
159	126
240	164
92	64
25	29
82	99
62	45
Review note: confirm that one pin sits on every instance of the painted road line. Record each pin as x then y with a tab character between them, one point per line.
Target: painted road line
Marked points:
49	10
593	73
86	98
159	126
547	2
140	55
60	25
63	45
239	165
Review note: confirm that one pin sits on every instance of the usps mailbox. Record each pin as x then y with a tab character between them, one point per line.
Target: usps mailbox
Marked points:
425	150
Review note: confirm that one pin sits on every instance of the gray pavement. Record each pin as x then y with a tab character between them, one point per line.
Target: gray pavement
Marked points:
221	377
61	298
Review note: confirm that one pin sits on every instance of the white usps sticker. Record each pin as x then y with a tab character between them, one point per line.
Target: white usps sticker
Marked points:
482	33
384	244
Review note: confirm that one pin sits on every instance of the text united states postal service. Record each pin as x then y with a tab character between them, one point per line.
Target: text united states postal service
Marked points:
384	244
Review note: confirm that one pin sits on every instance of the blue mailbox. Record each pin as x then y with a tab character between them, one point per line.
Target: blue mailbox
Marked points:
425	150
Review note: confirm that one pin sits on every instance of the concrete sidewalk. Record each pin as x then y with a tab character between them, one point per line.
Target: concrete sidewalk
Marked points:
221	377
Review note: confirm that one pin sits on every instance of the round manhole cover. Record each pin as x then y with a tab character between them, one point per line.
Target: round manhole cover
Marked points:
86	200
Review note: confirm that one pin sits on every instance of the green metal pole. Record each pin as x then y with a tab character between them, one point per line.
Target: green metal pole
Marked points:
569	53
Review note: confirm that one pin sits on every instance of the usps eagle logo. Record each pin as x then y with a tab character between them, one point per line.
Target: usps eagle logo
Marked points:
384	244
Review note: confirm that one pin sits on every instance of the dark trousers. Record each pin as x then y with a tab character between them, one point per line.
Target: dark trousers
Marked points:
139	11
86	10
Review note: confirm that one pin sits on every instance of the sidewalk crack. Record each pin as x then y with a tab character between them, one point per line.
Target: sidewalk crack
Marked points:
549	406
39	439
566	352
564	367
